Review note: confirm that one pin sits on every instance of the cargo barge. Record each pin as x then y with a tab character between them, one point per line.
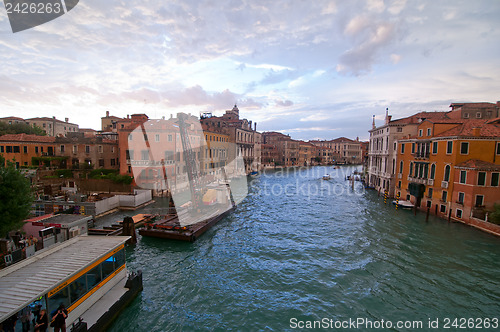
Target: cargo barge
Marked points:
168	227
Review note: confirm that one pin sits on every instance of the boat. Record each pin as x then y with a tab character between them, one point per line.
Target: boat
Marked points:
337	167
404	204
170	227
87	274
326	177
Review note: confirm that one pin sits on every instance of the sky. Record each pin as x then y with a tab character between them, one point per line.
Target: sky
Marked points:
311	69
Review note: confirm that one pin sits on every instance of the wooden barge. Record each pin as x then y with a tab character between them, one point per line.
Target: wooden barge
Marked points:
168	227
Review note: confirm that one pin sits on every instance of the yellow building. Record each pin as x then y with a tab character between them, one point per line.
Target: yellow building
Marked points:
426	163
215	154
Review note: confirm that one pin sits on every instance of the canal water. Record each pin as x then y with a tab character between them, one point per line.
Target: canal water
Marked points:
299	249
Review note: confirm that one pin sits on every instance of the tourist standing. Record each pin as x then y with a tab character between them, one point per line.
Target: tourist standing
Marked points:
42	323
59	319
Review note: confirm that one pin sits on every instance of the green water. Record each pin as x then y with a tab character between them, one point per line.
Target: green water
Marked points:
303	248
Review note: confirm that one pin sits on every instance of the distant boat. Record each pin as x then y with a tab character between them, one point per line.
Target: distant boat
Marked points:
337	167
404	204
326	177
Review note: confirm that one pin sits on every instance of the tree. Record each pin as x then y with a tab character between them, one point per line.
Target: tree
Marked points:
16	197
20	128
494	216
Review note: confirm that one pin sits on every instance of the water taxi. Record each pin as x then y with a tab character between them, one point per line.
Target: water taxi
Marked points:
87	274
326	177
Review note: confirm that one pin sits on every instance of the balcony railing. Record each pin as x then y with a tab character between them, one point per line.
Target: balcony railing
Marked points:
422	155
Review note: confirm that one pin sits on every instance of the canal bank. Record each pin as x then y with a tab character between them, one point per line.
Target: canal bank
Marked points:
317	249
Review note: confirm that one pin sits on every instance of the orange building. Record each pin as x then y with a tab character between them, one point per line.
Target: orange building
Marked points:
429	165
22	148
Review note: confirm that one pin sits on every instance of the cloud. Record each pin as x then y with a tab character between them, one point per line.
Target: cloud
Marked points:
284	103
371	38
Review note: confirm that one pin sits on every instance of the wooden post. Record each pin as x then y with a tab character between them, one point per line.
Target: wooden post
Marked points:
427	216
129	229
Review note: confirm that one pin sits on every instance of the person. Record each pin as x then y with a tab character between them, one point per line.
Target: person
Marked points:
36	313
42	322
26	318
10	324
59	319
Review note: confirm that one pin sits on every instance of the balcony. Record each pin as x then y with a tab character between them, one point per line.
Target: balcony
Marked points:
422	155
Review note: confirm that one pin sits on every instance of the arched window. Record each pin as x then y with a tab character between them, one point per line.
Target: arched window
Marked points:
411	169
447	173
433	171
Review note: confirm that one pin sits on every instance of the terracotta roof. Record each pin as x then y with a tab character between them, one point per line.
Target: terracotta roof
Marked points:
478	165
474	105
27	138
12	118
49	119
466	128
414	119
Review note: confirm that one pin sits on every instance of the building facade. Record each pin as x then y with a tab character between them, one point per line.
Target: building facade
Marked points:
54	127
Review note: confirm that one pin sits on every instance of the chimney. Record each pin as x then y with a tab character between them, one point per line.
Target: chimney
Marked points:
107	114
373	122
66	119
390	117
255	126
54	117
128	116
387	119
476	131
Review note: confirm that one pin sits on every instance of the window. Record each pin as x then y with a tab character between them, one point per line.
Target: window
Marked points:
442	208
399	184
449	147
61	148
87	148
466	115
401	167
129	154
75	148
447	173
444	196
461	197
8	149
478	115
25	149
481	178
479	200
99	148
157	137
498	147
36	149
101	162
464	148
420	132
60	297
428	131
411	168
400	130
93	277
144	155
170	138
463	177
2	149
113	162
459	213
494	179
429	192
434	147
433	171
112	149
412	147
403	148
77	288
